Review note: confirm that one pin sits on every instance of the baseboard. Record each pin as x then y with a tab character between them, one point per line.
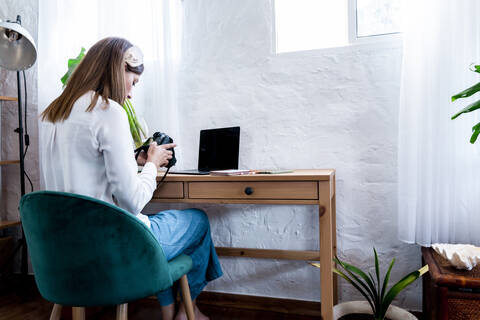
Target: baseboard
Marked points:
286	306
240	301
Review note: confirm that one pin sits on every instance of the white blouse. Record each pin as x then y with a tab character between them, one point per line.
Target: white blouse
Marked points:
91	153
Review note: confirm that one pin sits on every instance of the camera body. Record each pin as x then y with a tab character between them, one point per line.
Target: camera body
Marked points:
159	138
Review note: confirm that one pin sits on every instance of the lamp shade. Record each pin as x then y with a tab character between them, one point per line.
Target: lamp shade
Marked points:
17	47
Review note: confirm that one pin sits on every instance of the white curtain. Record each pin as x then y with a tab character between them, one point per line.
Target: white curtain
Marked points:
439	170
65	26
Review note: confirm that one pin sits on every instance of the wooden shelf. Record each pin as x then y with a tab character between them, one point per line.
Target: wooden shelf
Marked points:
4	98
7	224
6	162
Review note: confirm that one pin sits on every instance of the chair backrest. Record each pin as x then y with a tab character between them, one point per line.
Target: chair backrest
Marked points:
87	252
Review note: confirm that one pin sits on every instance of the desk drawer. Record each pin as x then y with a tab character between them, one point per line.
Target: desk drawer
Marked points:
169	190
254	190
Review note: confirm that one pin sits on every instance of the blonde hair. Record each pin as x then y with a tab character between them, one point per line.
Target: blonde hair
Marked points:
101	70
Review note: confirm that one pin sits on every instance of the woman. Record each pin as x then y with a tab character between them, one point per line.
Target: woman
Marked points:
86	148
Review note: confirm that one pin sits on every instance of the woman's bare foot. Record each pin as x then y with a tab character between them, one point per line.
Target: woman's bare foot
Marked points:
182	315
168	312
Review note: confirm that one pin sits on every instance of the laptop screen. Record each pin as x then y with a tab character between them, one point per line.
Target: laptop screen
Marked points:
219	149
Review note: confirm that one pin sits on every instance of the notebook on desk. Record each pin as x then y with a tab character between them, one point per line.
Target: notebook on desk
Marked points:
218	150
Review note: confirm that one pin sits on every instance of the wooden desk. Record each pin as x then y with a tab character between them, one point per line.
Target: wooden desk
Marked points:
311	187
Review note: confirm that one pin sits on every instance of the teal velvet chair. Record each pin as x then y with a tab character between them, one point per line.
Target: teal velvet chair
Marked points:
86	252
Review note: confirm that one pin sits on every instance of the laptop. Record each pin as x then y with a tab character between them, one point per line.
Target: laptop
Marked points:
218	150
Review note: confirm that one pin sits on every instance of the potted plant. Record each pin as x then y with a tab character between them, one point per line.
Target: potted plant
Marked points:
472	106
137	131
378	300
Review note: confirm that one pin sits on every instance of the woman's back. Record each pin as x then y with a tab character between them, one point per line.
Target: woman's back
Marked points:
70	158
91	153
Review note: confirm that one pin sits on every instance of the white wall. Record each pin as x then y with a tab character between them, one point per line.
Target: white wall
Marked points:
10	182
334	108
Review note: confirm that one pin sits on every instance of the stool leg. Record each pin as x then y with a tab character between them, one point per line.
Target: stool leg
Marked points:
122	312
187	299
78	313
56	312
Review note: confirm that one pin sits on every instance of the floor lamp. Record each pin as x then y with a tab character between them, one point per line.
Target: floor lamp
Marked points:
17	53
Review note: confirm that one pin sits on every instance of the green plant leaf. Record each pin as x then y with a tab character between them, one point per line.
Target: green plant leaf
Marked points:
72	64
377	297
140	129
351	270
471	107
476	131
341	274
467	92
387	277
377	271
371	277
476	68
133	128
369	286
399	286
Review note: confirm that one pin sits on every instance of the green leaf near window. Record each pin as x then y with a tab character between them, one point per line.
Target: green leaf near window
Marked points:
472	106
72	64
476	68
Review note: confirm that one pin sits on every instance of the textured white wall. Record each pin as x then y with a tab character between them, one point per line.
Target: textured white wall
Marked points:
10	189
334	108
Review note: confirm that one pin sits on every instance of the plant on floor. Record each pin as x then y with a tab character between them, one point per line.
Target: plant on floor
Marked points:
472	106
372	289
138	133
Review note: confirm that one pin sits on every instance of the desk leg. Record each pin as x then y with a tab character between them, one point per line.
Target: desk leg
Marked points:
326	249
334	249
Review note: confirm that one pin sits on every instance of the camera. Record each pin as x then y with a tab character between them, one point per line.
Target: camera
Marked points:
159	138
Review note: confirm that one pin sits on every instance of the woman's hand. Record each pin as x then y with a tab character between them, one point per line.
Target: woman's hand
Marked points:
159	155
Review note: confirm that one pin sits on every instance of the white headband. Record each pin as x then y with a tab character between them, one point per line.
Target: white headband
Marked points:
133	56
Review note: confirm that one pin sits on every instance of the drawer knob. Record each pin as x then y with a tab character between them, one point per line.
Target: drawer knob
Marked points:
248	191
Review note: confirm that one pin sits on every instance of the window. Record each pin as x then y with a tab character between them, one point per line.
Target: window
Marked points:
310	24
316	24
378	17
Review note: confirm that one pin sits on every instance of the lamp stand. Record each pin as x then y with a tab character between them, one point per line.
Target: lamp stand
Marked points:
18	52
19	130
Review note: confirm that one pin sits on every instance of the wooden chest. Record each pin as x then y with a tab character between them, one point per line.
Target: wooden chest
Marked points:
449	293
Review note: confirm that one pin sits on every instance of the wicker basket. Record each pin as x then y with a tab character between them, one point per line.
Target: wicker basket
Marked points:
449	293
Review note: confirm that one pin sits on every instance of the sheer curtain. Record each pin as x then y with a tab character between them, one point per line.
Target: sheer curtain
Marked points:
153	25
439	173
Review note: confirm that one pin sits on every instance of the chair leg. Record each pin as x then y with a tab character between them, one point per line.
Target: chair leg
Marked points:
122	312
78	313
56	312
187	299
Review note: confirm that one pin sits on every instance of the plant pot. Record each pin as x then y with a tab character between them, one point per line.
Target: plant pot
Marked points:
352	307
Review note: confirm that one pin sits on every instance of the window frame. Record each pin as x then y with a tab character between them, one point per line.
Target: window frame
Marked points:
352	29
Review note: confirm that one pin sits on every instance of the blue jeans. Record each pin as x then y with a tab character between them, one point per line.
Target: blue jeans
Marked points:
188	232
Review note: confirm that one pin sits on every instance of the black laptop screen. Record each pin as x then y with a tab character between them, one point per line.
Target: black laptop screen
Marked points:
219	149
